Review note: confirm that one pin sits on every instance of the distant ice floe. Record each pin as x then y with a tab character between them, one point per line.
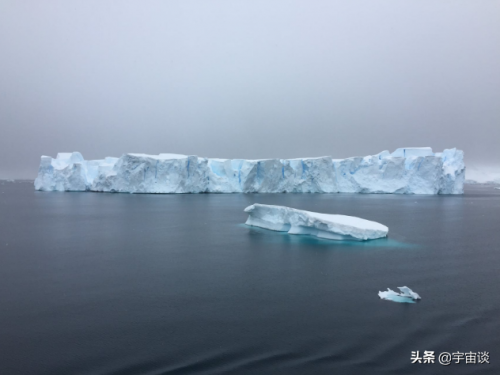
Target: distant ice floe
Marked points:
410	170
406	296
482	175
293	221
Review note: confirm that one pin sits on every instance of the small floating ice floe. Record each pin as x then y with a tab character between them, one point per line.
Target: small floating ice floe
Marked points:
406	296
293	221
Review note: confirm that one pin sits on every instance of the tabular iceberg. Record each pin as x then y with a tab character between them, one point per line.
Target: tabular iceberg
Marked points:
405	171
406	296
293	221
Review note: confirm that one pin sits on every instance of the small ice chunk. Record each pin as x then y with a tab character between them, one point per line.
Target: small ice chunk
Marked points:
408	292
406	296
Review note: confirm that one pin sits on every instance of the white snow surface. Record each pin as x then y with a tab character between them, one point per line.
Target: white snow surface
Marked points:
293	221
405	171
406	296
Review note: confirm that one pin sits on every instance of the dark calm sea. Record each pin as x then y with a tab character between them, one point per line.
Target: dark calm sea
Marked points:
94	283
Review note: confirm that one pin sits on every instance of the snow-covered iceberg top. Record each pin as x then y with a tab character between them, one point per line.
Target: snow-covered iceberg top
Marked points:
406	296
293	221
405	171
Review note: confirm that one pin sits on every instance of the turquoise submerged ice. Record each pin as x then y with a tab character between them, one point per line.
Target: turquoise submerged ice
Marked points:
293	221
405	171
406	296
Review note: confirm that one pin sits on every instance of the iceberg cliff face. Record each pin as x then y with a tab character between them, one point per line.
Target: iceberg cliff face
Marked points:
405	171
165	173
293	221
67	172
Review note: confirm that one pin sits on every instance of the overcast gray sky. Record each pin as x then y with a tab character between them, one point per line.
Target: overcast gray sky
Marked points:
247	79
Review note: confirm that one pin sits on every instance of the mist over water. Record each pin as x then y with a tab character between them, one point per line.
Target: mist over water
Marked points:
247	79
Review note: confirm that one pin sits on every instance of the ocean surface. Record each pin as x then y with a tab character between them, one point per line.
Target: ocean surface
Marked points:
96	283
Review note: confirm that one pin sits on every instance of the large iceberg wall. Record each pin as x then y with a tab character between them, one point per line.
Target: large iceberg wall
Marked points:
405	171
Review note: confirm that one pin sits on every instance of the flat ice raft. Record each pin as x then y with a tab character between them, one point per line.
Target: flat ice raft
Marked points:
293	221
